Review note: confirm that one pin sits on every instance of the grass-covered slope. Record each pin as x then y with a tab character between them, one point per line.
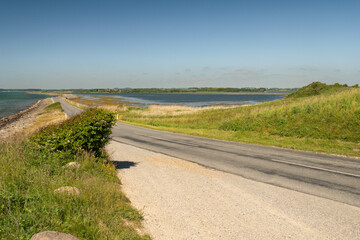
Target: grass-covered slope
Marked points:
317	88
335	116
327	121
30	171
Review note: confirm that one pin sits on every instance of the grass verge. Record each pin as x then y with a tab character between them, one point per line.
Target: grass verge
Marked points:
28	203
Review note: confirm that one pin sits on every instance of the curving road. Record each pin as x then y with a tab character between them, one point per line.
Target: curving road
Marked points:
332	177
68	109
327	176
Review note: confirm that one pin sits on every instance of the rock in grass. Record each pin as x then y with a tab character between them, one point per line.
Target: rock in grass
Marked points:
72	165
68	190
51	235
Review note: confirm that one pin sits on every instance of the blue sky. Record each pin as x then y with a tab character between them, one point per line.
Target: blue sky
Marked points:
106	44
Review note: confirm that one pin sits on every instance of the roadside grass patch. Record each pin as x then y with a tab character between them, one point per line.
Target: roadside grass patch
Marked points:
29	175
54	106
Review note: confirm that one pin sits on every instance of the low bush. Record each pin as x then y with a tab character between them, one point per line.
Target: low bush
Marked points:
89	132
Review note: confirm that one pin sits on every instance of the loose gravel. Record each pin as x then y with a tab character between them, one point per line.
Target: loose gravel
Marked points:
182	200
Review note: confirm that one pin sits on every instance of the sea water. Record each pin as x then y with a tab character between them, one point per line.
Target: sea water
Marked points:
13	102
190	99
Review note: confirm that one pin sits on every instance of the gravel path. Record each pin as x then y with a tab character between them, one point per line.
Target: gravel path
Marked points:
182	200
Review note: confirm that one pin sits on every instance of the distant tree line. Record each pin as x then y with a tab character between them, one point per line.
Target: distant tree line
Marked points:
183	90
162	90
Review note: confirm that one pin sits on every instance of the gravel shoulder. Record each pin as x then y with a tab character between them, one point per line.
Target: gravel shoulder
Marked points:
182	200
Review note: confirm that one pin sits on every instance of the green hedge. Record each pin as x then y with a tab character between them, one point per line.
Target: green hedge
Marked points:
89	132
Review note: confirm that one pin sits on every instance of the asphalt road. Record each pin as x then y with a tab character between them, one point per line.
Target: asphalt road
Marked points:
68	109
327	176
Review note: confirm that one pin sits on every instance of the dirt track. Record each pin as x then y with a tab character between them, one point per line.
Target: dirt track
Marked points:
182	200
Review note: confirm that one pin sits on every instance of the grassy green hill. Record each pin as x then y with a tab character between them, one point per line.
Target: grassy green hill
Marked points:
318	117
317	88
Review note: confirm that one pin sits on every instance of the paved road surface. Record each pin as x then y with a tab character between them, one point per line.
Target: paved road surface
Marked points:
182	200
331	177
68	109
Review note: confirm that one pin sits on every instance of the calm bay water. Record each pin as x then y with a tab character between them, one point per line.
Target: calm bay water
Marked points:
191	99
13	102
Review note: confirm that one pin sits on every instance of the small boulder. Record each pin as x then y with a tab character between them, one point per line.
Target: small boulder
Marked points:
51	235
68	190
72	165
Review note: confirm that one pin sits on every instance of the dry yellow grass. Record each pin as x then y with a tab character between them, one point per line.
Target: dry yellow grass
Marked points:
111	108
90	103
107	103
175	110
117	104
45	118
98	100
75	103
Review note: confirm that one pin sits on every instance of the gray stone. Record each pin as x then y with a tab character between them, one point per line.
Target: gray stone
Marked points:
72	165
68	190
51	235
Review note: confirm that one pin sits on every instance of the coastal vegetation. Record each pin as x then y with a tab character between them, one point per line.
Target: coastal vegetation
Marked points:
318	117
34	169
88	132
51	114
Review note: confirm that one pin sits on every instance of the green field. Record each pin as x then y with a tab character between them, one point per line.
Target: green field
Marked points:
318	117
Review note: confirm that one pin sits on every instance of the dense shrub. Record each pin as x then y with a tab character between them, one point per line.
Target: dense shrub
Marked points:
89	132
317	88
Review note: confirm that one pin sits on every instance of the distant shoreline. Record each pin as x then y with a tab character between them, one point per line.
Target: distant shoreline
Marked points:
15	123
12	103
228	93
16	116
